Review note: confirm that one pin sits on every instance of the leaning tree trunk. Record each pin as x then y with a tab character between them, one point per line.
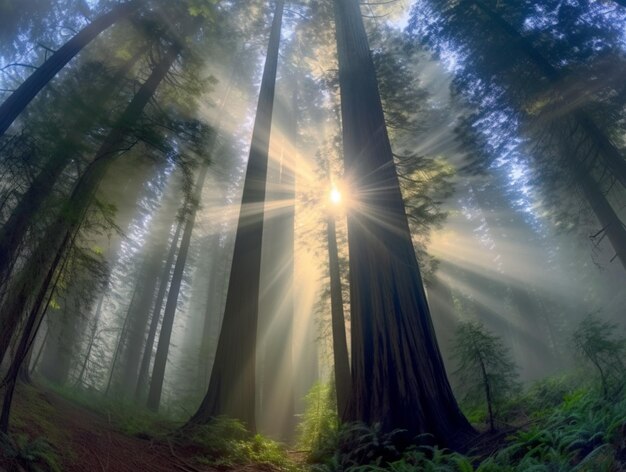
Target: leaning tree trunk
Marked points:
20	98
398	377
13	232
30	279
33	322
163	346
232	386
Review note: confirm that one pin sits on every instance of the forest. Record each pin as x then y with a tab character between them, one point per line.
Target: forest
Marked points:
313	235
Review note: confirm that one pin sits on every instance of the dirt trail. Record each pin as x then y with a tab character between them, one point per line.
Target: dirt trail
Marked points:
94	442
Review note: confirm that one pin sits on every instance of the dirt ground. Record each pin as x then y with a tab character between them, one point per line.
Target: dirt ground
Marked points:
92	442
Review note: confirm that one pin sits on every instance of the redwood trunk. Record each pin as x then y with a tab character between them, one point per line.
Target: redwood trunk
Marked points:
340	344
232	386
398	377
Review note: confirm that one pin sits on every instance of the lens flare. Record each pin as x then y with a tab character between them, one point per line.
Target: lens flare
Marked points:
335	196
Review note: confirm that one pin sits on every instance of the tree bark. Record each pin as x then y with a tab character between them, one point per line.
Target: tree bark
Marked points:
340	345
163	346
18	100
30	278
398	377
277	414
232	386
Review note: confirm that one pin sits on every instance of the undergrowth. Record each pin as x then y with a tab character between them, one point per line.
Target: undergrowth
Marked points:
225	442
19	453
561	424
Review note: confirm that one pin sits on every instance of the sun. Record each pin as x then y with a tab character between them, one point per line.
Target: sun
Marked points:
335	196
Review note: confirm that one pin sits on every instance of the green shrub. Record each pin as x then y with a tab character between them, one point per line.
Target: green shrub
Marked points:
225	442
485	370
20	453
596	342
318	425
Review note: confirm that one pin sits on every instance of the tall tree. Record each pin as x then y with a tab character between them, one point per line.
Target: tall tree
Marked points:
276	417
13	232
231	389
156	312
60	234
340	345
398	377
163	345
18	100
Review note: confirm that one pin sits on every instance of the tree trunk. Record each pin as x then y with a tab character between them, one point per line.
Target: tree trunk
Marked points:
398	377
28	335
92	337
156	314
487	390
276	415
29	280
120	341
140	311
20	98
340	345
163	346
232	386
13	232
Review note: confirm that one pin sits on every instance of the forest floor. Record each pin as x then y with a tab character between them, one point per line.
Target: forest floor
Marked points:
86	440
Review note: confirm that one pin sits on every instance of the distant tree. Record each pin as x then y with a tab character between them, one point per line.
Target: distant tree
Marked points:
163	344
484	367
155	319
595	341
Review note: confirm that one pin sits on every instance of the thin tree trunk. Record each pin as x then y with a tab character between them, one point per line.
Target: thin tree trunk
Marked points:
18	100
232	386
487	391
156	313
28	335
120	340
163	346
148	279
343	377
398	377
92	338
29	280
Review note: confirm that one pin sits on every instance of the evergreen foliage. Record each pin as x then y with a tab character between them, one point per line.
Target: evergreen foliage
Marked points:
485	371
581	432
319	423
596	342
